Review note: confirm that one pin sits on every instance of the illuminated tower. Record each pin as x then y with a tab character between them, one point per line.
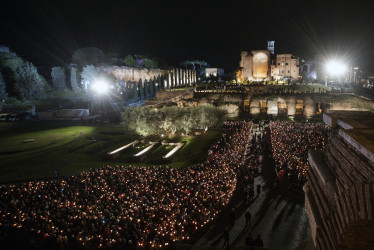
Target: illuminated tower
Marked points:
271	46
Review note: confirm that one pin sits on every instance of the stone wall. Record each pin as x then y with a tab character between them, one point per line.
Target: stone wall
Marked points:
231	109
162	95
308	102
340	190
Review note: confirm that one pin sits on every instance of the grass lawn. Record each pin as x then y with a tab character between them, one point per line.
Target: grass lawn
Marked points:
73	149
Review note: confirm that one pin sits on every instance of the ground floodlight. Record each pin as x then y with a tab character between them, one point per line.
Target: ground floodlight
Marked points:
336	68
100	86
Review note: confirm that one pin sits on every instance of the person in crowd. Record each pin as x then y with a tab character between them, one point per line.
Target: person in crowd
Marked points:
248	217
258	189
226	235
259	242
249	241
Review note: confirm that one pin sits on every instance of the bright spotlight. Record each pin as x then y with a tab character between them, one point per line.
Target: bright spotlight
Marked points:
100	86
336	68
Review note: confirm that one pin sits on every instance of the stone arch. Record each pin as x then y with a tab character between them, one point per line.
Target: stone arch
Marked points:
299	107
282	107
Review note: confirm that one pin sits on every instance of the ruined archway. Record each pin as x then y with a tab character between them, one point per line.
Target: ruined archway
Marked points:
299	107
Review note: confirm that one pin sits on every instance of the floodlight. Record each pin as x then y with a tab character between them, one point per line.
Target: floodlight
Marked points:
100	86
336	68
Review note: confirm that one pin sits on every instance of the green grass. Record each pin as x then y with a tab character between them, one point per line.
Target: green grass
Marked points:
70	150
195	150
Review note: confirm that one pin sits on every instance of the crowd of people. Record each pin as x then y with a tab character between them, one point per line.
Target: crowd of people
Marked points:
254	152
290	142
126	206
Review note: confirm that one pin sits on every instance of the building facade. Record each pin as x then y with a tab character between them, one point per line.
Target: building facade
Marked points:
214	72
255	66
287	66
259	66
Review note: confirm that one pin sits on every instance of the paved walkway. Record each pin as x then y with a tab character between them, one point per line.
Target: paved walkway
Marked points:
277	214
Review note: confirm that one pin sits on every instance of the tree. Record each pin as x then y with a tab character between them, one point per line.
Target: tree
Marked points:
193	63
141	89
28	85
73	80
172	119
3	93
58	78
158	82
162	83
130	61
211	117
135	95
149	63
87	56
190	116
146	89
140	61
113	59
152	87
89	74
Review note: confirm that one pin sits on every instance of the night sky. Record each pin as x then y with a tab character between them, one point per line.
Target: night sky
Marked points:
48	32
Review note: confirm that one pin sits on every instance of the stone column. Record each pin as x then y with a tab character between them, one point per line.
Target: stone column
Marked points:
291	106
172	79
169	80
180	77
255	107
272	107
185	77
309	107
189	77
176	77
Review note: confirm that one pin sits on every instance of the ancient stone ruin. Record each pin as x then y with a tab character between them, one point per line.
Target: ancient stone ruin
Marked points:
340	192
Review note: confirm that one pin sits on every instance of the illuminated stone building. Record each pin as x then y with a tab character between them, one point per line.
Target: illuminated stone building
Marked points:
214	72
287	67
255	66
258	66
339	195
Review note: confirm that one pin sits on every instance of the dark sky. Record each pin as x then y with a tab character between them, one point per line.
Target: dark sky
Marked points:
48	32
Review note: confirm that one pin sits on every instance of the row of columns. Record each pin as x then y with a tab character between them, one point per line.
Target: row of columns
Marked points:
181	77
